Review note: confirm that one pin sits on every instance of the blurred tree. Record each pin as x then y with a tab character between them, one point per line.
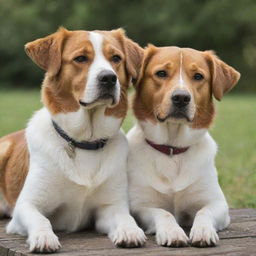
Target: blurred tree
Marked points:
226	26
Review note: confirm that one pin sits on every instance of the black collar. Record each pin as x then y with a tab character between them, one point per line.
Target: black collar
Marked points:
89	145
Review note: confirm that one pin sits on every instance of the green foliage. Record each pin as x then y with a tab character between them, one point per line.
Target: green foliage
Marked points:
234	131
225	26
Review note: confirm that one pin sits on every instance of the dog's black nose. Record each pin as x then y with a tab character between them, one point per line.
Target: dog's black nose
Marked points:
107	78
181	98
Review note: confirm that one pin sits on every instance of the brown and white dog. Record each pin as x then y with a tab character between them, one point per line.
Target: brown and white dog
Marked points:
172	175
73	156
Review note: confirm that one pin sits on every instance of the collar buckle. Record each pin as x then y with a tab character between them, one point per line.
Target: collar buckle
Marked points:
171	152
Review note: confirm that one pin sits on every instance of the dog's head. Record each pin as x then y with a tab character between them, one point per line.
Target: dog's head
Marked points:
177	85
85	69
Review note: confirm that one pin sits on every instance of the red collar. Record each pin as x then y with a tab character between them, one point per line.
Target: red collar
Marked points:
168	150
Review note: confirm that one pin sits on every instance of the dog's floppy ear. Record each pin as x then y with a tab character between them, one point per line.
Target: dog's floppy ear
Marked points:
133	54
224	77
46	52
149	51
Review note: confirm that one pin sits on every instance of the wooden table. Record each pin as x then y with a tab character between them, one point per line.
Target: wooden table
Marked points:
238	239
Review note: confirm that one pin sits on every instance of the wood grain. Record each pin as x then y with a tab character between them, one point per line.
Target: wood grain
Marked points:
238	240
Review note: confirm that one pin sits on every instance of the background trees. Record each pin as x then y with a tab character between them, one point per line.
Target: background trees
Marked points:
226	26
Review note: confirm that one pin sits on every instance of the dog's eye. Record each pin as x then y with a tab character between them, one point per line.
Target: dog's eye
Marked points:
80	59
116	58
161	73
198	76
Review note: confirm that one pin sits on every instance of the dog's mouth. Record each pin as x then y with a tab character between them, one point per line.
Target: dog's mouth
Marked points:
105	98
176	115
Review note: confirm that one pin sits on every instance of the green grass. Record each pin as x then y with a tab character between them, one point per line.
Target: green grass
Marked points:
234	131
16	107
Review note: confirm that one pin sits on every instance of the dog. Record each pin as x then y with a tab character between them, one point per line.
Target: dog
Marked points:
171	173
72	157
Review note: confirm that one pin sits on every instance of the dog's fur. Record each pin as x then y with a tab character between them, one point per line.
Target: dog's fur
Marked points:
167	192
61	191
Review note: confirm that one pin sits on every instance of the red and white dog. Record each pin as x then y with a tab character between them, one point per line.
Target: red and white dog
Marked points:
73	156
172	175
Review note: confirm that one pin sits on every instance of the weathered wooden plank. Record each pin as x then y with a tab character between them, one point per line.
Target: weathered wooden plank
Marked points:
239	239
239	229
243	246
242	215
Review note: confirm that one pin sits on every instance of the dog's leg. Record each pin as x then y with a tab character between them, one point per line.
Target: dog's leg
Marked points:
34	200
113	217
120	226
28	220
163	224
208	220
206	202
38	228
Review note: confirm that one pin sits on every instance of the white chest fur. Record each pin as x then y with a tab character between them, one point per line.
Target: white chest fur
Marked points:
169	174
72	182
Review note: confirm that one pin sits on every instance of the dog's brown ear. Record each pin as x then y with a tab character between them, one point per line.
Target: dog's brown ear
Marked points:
46	52
133	54
223	76
149	51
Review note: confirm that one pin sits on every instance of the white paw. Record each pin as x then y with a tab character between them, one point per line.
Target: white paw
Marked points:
128	237
14	227
43	241
203	236
172	237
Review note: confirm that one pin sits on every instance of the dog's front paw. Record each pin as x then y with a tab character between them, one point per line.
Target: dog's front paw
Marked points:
43	241
203	236
128	237
172	237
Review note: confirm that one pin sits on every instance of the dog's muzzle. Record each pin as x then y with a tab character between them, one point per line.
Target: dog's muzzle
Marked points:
180	100
107	81
107	88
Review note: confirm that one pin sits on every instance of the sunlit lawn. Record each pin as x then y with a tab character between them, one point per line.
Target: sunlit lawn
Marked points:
234	131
